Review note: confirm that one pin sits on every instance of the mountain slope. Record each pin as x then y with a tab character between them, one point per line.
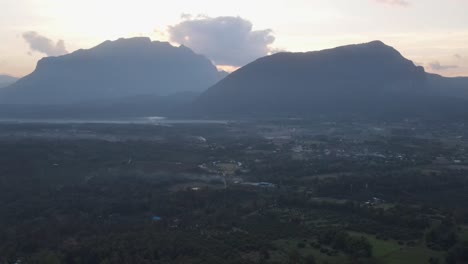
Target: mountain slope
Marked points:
114	69
370	78
6	80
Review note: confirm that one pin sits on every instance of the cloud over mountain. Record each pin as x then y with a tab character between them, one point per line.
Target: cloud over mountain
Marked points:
44	45
437	66
225	40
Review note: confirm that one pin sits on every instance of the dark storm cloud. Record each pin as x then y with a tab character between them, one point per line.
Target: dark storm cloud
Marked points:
225	40
393	2
44	45
437	66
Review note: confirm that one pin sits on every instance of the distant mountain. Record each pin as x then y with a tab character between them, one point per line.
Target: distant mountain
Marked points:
114	69
364	79
6	80
456	87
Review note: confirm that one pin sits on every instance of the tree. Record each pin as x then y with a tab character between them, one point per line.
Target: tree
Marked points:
294	257
310	259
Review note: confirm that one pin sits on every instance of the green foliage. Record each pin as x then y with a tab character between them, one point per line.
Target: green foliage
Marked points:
458	254
443	236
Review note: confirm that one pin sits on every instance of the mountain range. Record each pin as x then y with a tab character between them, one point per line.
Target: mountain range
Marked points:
137	77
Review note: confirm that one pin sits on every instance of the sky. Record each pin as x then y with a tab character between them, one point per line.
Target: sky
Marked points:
432	33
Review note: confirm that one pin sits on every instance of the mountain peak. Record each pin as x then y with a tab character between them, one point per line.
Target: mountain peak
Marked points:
135	44
371	47
377	43
129	41
135	40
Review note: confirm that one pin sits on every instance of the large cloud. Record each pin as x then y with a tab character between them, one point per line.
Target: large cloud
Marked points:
225	40
44	45
393	2
437	66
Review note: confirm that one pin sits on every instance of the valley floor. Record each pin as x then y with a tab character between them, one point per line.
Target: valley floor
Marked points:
285	191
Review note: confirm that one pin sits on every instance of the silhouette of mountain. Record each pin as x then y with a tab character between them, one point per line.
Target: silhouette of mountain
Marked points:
364	79
114	69
6	80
